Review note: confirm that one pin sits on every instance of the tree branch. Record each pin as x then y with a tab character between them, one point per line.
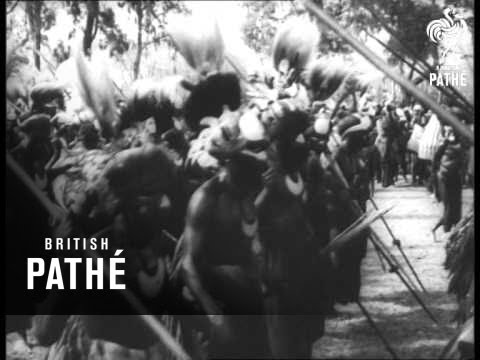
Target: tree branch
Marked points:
14	5
154	14
157	38
136	64
50	65
92	14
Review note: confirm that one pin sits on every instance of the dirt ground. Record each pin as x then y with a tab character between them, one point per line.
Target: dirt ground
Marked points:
407	327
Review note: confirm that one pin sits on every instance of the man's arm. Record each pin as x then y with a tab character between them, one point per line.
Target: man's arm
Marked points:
193	264
437	156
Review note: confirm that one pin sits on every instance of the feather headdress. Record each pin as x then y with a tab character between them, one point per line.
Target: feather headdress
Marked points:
295	42
97	91
364	125
200	43
325	76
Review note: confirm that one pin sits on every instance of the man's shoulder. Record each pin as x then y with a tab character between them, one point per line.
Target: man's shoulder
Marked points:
205	195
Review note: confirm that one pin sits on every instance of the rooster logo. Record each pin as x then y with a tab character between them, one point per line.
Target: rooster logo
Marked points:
445	31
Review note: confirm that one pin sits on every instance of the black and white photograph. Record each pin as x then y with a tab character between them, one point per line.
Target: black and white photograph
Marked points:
192	180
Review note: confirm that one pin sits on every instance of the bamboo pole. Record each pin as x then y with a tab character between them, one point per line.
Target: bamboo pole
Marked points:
444	116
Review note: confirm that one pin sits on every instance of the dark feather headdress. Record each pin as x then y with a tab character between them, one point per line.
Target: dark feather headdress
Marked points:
364	124
202	46
295	42
324	77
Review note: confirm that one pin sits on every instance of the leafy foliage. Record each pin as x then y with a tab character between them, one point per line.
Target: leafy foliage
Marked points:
145	49
409	19
260	26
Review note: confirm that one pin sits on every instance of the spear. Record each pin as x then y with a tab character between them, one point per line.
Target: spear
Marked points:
444	116
377	330
353	230
354	224
396	264
377	243
379	246
157	328
401	276
359	225
398	244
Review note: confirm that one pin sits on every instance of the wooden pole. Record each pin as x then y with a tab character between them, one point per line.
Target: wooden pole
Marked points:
397	243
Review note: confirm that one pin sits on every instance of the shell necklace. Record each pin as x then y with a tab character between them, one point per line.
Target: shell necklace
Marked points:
295	187
250	230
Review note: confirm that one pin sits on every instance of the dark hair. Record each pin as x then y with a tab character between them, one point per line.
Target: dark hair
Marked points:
289	125
346	122
293	156
152	103
408	114
89	135
210	95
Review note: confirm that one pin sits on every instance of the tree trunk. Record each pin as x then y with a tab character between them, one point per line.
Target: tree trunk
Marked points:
90	29
136	64
34	11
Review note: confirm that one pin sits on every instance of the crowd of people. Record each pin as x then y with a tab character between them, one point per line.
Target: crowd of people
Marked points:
412	141
224	198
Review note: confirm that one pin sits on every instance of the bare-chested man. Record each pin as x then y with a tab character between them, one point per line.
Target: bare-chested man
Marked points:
219	266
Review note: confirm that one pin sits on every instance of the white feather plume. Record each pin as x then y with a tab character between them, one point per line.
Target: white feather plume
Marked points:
199	41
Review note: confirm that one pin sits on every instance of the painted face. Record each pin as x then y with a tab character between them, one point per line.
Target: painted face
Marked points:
150	126
251	128
417	112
